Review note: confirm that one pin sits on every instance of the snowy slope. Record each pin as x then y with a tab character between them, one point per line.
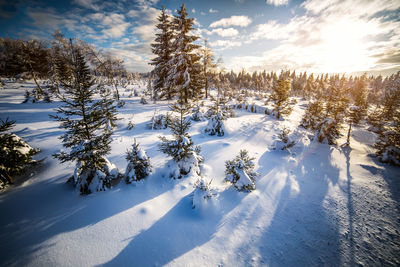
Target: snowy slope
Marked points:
315	205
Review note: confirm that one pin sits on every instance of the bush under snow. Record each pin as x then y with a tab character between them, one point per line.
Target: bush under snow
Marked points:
139	166
240	172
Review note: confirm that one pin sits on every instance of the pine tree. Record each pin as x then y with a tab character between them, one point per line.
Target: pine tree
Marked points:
87	135
15	154
185	68
240	172
162	48
181	147
358	109
388	146
313	116
335	111
280	98
139	166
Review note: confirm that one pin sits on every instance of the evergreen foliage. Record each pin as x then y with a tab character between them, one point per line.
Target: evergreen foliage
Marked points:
139	166
388	145
162	48
358	110
313	115
15	154
280	98
240	172
181	147
185	68
87	135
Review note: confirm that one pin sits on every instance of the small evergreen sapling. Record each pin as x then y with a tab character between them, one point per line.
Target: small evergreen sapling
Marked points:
15	154
284	142
139	166
202	193
87	136
240	172
181	148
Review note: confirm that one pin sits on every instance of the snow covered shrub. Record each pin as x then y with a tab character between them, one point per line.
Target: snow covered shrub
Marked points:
88	179
215	125
143	100
131	125
159	121
181	148
240	172
203	193
284	142
139	166
15	154
197	114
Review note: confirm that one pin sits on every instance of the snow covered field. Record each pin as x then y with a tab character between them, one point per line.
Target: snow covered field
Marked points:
315	205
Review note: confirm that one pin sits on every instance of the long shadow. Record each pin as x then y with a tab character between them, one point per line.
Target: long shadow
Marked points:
301	232
347	151
176	233
35	213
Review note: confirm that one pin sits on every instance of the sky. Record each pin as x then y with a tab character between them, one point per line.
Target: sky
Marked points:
319	36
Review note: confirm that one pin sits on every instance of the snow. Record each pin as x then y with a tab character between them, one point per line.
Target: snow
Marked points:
315	205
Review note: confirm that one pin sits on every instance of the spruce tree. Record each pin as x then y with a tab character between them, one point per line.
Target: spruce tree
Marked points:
280	98
87	136
139	166
181	147
388	145
15	154
358	109
335	110
162	48
185	68
240	172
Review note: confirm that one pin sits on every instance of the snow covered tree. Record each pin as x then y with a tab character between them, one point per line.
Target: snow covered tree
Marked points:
280	98
139	166
109	109
388	145
335	111
358	110
15	154
181	148
87	135
162	48
313	116
185	68
240	172
202	194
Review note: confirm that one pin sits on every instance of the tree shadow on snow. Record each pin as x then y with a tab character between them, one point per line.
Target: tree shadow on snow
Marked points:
179	231
33	214
301	232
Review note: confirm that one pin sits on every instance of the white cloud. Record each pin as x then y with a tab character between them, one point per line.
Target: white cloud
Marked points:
241	21
278	2
329	38
90	4
229	32
225	43
193	10
212	10
202	13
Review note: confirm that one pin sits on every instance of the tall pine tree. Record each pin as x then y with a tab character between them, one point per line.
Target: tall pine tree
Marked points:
87	137
280	98
162	48
185	72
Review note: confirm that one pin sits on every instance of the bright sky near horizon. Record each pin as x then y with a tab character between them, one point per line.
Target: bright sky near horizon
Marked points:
334	36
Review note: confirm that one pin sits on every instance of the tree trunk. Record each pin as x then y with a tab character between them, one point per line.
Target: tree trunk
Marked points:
348	134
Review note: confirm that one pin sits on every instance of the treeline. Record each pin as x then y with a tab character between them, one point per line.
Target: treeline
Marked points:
41	60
